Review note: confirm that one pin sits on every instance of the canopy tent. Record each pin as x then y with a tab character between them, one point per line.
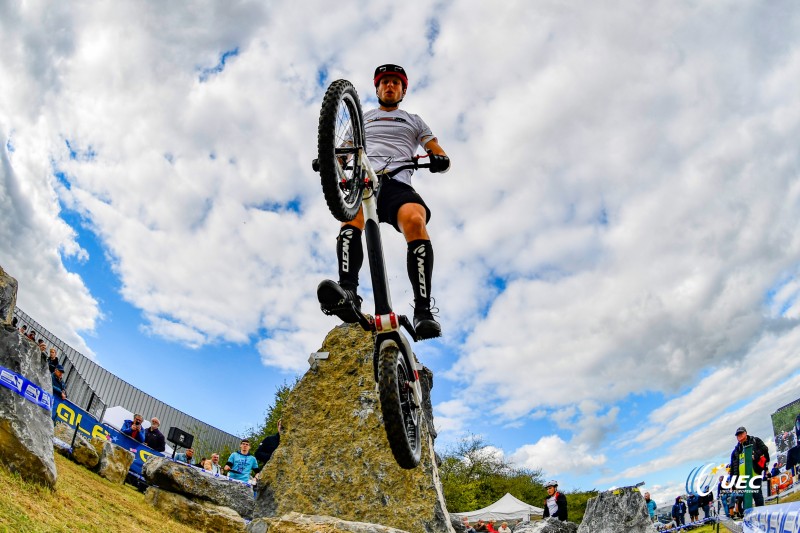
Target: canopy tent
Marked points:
506	508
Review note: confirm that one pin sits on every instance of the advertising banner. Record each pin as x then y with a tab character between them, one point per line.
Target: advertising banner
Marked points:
780	483
782	518
88	426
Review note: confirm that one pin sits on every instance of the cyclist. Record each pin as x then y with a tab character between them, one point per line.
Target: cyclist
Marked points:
392	135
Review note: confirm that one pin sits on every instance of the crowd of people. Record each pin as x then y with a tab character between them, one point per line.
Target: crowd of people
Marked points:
239	466
56	369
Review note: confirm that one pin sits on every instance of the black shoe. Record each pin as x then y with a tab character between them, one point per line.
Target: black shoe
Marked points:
344	303
425	323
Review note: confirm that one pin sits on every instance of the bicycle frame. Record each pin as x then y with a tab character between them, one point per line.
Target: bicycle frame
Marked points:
387	324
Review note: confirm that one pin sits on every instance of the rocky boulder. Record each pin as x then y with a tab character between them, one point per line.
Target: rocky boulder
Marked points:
8	298
115	461
198	485
26	430
201	516
548	525
334	459
300	523
86	453
620	510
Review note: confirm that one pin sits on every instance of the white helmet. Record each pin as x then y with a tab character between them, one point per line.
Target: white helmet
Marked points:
551	483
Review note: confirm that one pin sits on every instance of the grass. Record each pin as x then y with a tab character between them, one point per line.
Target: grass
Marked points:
82	501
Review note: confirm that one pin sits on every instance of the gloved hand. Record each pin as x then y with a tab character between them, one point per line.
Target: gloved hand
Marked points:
439	163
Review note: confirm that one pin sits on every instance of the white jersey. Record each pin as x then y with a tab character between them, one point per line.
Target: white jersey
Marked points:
394	136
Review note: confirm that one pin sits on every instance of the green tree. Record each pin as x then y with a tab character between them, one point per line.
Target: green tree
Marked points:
475	474
273	413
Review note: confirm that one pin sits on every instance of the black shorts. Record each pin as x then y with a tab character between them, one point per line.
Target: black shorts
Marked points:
393	195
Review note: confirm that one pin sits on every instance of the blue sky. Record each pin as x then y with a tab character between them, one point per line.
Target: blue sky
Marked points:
616	244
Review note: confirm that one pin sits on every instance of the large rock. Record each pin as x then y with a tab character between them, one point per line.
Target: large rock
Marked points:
548	525
26	430
202	516
86	453
620	510
199	485
115	461
8	297
300	523
334	459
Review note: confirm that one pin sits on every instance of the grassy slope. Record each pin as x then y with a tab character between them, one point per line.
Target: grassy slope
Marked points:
82	501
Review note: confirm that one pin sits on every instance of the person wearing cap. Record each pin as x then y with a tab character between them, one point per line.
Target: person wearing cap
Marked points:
760	460
555	504
392	136
59	389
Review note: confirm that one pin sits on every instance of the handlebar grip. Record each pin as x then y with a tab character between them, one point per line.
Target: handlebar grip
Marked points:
315	165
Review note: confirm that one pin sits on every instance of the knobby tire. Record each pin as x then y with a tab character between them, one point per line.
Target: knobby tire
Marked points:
400	419
341	127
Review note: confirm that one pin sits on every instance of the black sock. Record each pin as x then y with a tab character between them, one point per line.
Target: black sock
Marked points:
419	261
350	253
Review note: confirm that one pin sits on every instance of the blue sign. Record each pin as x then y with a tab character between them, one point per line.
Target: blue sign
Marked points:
782	518
75	417
25	388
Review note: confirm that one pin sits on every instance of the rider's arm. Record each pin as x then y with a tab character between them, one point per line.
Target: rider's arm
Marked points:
439	162
432	147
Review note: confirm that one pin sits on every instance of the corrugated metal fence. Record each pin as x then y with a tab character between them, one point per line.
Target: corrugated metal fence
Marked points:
94	388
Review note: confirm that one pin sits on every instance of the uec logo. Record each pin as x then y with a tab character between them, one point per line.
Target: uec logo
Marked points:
701	478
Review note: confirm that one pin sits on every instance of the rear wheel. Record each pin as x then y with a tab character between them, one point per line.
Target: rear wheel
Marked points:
339	138
400	417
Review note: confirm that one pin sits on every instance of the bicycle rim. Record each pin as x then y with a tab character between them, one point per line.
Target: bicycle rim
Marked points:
400	417
340	136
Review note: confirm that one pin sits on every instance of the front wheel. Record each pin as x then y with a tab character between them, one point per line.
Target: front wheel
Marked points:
340	137
400	416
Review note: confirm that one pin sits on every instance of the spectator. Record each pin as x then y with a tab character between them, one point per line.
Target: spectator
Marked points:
31	335
555	504
216	468
679	512
705	502
480	526
693	503
52	361
203	463
268	446
651	506
187	457
59	389
504	528
240	464
24	330
490	527
760	460
153	436
468	528
722	496
14	322
133	428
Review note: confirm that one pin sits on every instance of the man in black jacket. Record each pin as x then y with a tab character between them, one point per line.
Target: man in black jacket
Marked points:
555	504
760	461
153	436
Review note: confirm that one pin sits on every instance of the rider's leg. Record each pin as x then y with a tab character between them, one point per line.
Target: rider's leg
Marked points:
341	299
350	252
419	260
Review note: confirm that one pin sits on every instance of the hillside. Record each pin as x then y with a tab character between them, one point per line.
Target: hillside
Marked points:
82	501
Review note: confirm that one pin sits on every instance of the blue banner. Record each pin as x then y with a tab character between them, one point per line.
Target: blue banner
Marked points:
781	518
25	388
72	415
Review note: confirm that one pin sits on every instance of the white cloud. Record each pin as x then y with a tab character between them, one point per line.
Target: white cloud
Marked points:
555	456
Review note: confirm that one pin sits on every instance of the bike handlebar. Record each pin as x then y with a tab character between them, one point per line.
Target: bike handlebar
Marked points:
413	164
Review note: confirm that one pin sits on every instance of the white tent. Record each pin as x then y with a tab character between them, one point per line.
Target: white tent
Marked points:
506	508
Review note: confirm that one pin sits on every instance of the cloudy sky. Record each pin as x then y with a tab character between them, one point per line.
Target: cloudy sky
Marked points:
616	247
